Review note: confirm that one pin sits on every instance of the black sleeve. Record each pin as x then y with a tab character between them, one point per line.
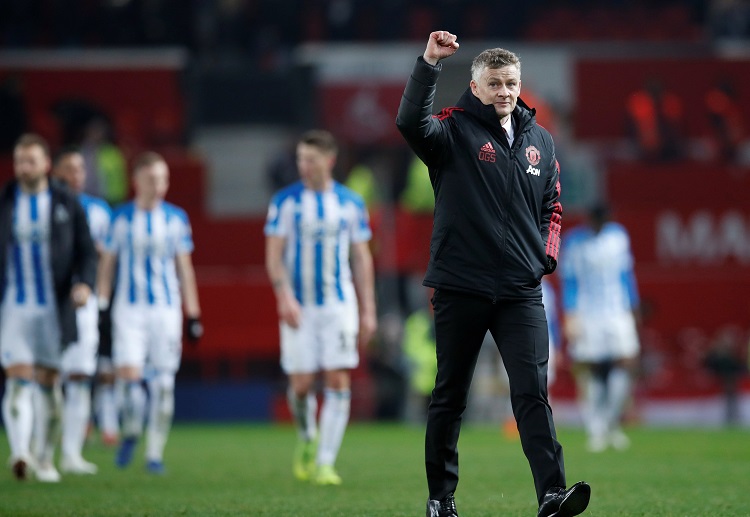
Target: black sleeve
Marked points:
423	132
84	250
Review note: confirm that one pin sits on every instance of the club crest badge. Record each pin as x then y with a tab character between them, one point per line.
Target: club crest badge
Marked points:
533	155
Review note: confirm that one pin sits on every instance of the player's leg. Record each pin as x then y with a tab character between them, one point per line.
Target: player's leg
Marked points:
47	422
299	362
596	408
48	395
17	405
338	327
18	417
105	407
334	418
625	349
129	357
165	353
303	405
589	355
78	367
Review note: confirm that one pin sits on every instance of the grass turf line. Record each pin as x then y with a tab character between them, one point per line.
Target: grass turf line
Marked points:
228	470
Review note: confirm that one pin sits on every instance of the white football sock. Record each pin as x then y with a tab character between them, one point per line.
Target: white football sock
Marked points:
161	411
47	421
304	410
106	409
133	407
76	415
18	416
334	417
618	391
595	413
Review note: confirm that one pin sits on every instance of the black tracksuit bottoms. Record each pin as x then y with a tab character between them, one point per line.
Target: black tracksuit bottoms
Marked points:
519	328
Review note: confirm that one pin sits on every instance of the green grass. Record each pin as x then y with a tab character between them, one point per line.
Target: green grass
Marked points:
246	470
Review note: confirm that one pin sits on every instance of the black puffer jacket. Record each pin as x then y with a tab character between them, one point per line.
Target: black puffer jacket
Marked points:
496	230
72	252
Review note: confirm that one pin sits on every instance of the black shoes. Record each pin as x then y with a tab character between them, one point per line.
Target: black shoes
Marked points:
446	507
559	502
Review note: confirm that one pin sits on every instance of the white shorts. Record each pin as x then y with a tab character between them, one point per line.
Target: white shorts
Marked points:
325	340
150	334
606	338
80	357
29	335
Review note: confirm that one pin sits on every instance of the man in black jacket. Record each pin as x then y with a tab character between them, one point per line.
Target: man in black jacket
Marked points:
47	270
496	232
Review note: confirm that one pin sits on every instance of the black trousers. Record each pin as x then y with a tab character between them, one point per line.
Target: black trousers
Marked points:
519	328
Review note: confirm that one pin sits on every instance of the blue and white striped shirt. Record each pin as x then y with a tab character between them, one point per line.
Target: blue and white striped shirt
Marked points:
98	215
29	272
319	228
146	244
597	271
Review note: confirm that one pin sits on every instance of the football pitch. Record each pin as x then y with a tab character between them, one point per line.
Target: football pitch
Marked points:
218	470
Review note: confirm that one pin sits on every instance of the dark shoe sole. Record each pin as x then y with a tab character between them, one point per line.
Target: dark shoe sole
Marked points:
575	502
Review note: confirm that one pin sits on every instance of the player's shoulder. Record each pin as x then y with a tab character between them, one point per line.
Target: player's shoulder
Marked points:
292	191
124	210
89	201
171	209
345	194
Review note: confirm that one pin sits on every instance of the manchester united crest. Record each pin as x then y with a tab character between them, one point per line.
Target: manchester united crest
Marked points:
533	155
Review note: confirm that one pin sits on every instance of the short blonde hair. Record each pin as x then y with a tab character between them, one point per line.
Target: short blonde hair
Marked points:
33	139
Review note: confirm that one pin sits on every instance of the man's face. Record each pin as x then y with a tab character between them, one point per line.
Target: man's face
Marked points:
500	88
315	166
30	164
71	169
152	181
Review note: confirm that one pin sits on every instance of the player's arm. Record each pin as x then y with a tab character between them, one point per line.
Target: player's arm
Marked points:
85	259
287	305
189	289
105	278
188	285
364	283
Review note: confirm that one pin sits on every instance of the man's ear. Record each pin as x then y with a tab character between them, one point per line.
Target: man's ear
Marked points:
473	86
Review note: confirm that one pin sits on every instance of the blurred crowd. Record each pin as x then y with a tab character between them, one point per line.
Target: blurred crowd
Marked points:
263	27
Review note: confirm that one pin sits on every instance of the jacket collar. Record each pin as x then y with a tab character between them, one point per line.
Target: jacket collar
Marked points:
522	114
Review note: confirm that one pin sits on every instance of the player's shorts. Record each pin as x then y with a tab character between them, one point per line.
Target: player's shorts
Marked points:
80	357
29	335
325	340
606	337
142	334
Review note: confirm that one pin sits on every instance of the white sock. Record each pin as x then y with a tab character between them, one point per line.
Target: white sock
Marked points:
18	416
106	409
595	413
304	410
618	390
334	417
133	407
76	414
161	411
47	421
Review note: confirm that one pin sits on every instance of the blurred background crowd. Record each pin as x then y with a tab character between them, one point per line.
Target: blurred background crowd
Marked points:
648	102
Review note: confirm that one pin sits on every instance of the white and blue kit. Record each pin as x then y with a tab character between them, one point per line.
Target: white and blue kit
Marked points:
599	287
29	326
319	228
147	306
80	357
